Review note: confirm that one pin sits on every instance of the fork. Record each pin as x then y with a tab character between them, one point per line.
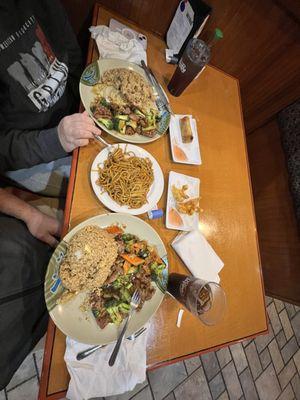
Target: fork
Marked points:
135	301
101	140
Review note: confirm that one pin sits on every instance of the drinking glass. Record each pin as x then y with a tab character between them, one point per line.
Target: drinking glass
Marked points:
194	58
206	300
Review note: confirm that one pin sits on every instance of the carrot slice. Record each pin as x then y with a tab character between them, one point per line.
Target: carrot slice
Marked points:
114	229
132	259
126	267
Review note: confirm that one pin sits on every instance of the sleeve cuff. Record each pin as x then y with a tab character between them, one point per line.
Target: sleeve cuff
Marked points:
50	145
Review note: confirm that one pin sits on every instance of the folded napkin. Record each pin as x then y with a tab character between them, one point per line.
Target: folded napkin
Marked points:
93	377
113	44
198	255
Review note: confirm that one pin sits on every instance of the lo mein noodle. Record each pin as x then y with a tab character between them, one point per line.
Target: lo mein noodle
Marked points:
126	178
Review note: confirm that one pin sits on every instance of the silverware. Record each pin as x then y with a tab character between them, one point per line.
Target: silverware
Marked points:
135	301
87	352
101	140
162	101
136	334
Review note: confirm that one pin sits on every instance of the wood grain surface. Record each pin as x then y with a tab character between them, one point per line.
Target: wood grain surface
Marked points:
278	233
227	218
261	44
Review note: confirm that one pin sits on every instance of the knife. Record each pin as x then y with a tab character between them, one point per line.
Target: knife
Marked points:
151	77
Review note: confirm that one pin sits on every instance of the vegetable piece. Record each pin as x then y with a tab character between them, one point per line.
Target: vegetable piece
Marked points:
123	128
138	112
121	281
106	122
126	237
125	295
157	268
104	102
110	303
132	259
149	128
132	124
119	125
114	229
150	119
124	307
122	117
126	267
115	315
128	248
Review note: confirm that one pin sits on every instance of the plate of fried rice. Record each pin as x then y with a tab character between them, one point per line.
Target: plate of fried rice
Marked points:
94	272
120	99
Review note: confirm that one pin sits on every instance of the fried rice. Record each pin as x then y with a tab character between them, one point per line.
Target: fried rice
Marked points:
132	86
87	264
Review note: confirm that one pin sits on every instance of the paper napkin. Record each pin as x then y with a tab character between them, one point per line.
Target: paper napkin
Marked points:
113	44
198	255
93	377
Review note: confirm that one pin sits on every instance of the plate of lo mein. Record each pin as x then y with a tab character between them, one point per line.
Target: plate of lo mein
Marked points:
126	178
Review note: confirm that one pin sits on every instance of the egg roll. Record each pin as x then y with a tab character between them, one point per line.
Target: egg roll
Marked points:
186	130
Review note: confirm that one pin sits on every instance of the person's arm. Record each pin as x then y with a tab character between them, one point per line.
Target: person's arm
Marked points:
40	225
23	149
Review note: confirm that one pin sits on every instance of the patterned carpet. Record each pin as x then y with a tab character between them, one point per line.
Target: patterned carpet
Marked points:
265	368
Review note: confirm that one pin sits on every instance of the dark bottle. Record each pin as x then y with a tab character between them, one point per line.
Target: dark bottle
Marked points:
206	300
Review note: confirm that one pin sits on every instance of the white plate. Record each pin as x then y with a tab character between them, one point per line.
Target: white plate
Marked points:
154	193
80	325
189	222
191	150
92	74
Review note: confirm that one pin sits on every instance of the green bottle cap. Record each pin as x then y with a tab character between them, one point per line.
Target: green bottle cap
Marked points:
218	34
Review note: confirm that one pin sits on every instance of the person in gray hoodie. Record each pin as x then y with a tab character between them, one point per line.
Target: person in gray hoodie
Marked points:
39	128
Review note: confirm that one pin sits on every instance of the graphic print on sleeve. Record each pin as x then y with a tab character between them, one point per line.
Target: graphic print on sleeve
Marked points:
38	71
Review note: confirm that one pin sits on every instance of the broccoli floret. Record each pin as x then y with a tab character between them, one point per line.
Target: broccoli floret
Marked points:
106	122
127	237
157	268
104	102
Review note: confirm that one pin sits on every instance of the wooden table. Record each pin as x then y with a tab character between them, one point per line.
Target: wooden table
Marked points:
227	220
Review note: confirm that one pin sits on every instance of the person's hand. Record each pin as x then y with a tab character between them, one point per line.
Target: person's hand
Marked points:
43	227
75	131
